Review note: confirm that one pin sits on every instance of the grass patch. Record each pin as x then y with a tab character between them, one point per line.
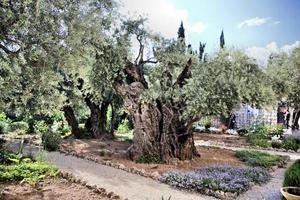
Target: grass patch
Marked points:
150	158
125	137
260	159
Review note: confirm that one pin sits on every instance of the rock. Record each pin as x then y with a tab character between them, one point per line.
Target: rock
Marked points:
173	161
155	175
274	168
298	151
134	170
109	195
142	171
101	190
121	166
154	167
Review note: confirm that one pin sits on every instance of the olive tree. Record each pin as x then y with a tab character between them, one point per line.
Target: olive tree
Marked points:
168	92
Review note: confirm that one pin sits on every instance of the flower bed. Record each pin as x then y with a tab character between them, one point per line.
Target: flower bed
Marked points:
217	180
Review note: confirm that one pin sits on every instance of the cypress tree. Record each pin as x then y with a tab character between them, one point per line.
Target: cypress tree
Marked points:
222	40
201	50
181	34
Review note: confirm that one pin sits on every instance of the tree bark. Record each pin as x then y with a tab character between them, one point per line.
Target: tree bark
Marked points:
72	121
158	128
296	116
96	123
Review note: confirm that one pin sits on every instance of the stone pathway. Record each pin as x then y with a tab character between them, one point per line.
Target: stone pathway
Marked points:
269	191
127	185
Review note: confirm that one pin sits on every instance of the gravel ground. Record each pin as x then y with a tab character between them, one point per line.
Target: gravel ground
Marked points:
269	191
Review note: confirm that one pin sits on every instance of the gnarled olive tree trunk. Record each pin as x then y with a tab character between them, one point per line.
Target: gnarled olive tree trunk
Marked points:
296	116
72	121
96	123
158	128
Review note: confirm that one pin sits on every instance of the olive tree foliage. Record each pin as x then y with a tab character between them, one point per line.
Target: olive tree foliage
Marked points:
44	43
30	44
167	92
284	74
224	82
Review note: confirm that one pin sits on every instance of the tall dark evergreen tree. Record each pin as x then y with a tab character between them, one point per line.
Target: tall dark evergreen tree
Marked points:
190	49
222	40
201	50
181	34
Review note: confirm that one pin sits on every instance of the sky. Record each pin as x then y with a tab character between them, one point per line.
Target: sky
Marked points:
260	27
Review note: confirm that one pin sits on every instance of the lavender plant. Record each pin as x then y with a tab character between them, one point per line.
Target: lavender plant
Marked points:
217	178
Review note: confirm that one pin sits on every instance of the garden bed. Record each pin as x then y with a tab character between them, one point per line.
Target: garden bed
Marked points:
225	182
113	153
25	178
50	188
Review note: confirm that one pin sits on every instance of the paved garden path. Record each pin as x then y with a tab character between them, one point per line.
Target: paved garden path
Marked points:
127	185
269	191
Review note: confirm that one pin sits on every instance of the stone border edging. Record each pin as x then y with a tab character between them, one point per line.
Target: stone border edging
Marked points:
102	191
154	175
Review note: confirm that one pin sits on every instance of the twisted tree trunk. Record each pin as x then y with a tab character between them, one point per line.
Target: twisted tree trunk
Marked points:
158	128
296	116
96	123
72	121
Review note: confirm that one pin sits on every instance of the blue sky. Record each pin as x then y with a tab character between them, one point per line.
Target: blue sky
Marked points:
282	21
260	27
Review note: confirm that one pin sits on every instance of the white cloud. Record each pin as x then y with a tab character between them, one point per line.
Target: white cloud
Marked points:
276	22
163	16
197	27
257	21
261	54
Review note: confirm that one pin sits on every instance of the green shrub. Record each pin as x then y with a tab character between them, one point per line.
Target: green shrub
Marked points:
277	130
51	140
8	158
29	172
290	144
258	135
206	122
4	127
40	127
2	116
19	125
260	159
276	144
150	158
55	117
292	175
124	127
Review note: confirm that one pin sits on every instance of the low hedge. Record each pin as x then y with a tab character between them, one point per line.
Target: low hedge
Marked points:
260	159
292	175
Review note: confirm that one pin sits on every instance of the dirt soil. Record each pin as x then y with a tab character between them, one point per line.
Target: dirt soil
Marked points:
226	139
116	152
49	189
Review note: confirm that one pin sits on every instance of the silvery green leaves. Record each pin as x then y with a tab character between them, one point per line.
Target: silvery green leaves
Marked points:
223	82
217	178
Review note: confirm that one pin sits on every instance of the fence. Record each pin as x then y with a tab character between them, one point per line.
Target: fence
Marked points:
246	116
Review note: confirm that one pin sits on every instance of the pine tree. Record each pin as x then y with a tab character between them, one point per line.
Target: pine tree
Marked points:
222	40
